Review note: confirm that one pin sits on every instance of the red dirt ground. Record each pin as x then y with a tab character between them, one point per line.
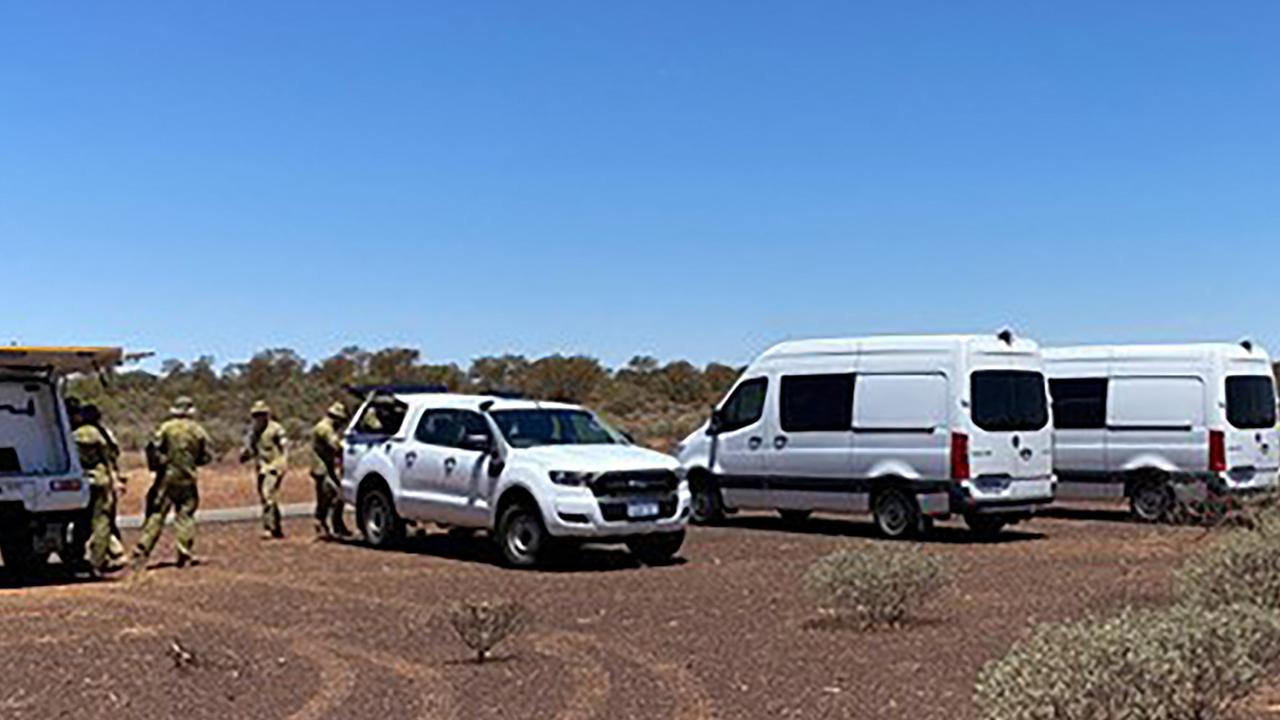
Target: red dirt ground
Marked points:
305	630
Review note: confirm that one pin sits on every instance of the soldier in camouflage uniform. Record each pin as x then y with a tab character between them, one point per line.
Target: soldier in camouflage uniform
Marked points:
115	546
181	447
326	461
98	460
267	445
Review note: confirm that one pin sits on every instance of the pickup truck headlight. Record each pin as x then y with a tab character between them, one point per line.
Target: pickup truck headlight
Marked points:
571	479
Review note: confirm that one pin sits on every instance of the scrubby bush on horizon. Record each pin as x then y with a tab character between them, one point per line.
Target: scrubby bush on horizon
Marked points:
657	403
1178	663
875	584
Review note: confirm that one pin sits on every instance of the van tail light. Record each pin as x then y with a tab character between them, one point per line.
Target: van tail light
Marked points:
959	456
1217	451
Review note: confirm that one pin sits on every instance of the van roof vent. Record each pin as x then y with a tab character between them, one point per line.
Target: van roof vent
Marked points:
1005	335
1247	344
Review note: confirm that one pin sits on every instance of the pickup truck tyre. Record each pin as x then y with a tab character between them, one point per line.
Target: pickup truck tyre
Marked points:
896	515
656	549
20	556
522	538
379	522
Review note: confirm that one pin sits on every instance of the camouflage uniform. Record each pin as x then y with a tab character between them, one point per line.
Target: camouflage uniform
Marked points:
326	459
115	545
181	447
96	460
267	447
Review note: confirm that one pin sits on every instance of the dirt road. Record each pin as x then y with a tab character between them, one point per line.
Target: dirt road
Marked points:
305	630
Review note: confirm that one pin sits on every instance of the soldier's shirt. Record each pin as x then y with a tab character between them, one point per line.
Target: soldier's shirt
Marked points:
326	449
183	446
268	448
95	455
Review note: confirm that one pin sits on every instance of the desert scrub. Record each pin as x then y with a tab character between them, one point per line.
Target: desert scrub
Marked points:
1241	566
1179	663
875	584
482	625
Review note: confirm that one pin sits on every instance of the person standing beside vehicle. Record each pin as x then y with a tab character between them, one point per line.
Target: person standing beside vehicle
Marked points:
181	447
267	445
326	463
97	458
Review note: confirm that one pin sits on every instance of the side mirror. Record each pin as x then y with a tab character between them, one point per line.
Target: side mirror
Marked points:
716	422
476	442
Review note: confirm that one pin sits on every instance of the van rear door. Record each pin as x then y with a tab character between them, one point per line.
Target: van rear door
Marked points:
1251	436
1010	411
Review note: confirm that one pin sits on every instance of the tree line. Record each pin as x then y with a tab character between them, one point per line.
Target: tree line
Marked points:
655	402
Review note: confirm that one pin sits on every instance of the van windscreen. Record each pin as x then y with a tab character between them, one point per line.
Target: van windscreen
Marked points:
1008	400
1251	402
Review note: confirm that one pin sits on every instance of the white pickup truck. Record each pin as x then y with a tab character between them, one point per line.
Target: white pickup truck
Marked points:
533	474
42	489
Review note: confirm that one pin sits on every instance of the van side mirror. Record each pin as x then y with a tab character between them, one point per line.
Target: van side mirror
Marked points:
476	442
716	422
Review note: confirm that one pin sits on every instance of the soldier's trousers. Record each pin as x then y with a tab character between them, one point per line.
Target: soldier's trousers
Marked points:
183	499
329	503
102	508
269	482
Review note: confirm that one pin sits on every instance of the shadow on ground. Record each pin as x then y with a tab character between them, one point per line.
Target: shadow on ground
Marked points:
837	527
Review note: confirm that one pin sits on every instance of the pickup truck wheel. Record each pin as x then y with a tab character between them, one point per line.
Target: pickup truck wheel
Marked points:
20	556
656	549
379	522
984	526
895	514
522	538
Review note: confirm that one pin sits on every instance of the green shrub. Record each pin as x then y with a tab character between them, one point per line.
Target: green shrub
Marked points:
1242	566
875	584
1180	663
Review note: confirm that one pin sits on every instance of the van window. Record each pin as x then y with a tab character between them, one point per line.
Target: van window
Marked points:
1008	400
745	406
1155	403
1251	402
900	402
1079	403
817	403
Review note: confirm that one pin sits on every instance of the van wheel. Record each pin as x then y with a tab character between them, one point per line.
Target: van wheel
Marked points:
522	538
896	514
656	549
984	526
379	522
794	517
707	505
1151	500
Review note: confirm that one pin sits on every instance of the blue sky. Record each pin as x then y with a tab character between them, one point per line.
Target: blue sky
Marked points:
683	179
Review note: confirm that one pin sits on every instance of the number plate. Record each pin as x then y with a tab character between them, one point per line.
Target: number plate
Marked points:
642	510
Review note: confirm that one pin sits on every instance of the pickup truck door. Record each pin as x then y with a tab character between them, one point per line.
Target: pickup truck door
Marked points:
450	483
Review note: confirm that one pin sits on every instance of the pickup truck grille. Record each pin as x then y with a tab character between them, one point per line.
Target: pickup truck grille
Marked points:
644	483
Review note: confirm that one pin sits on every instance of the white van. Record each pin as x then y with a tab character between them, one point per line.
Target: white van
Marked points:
907	428
1163	424
42	489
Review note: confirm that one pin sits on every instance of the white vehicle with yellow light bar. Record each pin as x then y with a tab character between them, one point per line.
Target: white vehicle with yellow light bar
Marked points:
42	488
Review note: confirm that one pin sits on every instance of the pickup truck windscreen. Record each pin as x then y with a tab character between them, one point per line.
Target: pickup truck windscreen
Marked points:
533	428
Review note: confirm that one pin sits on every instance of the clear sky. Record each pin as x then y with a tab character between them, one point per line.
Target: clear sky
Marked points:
683	179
